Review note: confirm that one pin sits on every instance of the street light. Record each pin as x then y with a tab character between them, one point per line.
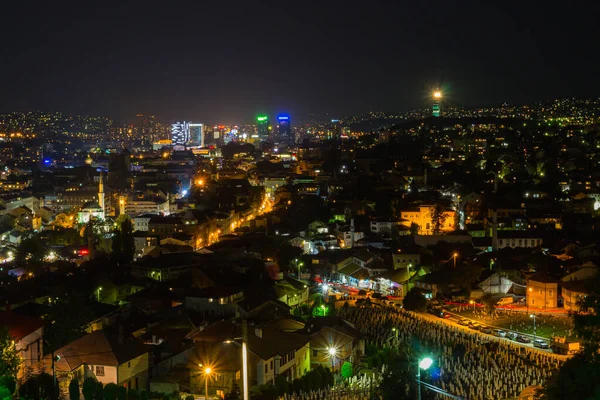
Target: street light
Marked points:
533	316
98	293
424	365
244	364
332	353
455	255
472	302
207	371
527	299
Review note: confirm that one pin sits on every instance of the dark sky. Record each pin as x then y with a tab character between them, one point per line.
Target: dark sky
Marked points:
226	61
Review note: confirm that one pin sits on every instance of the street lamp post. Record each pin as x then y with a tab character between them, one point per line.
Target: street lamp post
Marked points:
332	353
98	293
207	371
472	302
527	299
455	255
533	316
424	364
243	340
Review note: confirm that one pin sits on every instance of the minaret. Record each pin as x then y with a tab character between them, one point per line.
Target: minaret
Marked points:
101	194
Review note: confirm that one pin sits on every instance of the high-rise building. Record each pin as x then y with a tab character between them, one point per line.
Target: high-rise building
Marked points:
196	134
285	130
180	133
436	109
146	128
263	127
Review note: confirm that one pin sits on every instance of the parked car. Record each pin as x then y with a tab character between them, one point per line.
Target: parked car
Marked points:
445	315
541	344
499	333
523	339
487	330
464	322
476	326
511	336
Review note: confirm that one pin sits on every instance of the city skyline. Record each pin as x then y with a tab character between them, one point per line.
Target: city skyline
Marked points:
125	61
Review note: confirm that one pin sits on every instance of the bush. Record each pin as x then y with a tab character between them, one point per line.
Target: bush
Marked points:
5	393
89	388
121	393
99	391
144	395
414	300
362	292
134	395
74	389
189	397
111	391
9	383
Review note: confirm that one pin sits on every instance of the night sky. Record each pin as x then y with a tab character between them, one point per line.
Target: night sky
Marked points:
226	61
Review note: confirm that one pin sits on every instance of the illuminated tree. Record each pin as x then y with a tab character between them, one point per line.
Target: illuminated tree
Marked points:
9	356
438	218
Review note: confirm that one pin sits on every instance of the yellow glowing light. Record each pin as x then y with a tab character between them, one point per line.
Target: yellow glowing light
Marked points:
207	370
437	94
199	182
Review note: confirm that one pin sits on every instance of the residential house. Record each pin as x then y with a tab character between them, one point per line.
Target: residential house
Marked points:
542	291
406	258
105	357
527	239
291	291
333	334
27	332
361	268
573	291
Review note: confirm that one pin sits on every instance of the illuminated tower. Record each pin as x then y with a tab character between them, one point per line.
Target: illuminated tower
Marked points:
196	134
180	133
101	194
263	127
436	110
122	202
285	130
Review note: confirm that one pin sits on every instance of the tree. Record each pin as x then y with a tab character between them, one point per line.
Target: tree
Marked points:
110	391
122	393
133	394
31	252
144	395
68	316
5	394
488	301
9	383
123	246
438	218
9	356
346	370
398	379
414	300
89	388
99	391
234	394
74	389
414	229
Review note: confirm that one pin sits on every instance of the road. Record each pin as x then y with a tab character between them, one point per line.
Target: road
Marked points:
454	322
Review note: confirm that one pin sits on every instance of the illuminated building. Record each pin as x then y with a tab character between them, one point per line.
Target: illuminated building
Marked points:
285	130
263	127
180	133
196	134
436	109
